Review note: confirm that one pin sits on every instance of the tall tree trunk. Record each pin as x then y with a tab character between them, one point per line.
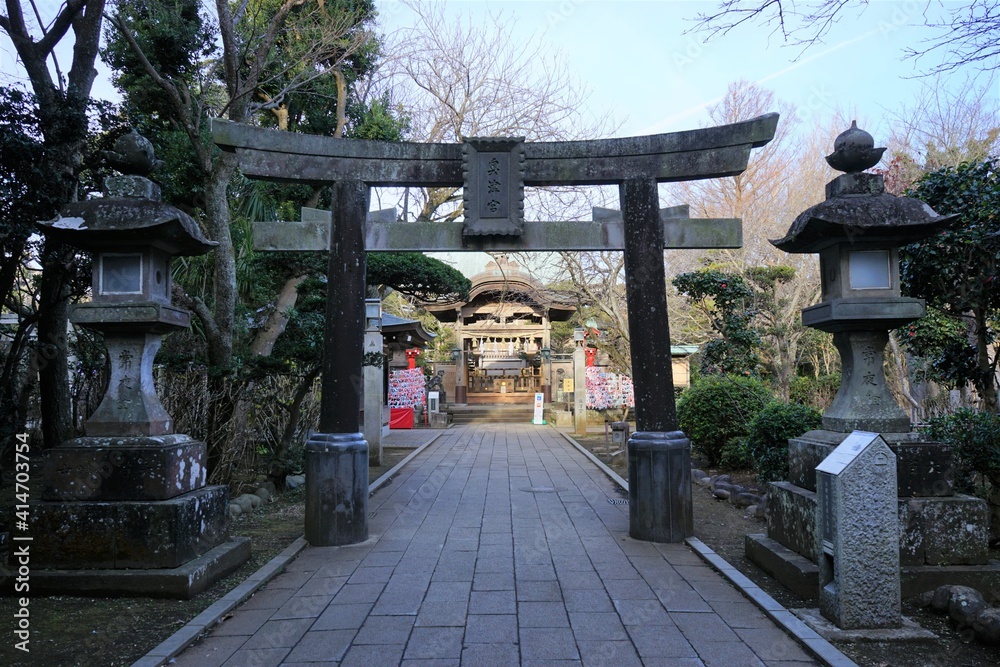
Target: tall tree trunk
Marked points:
62	107
222	395
987	384
53	322
276	322
220	343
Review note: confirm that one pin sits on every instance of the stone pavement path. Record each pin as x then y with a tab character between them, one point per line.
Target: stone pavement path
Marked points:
498	546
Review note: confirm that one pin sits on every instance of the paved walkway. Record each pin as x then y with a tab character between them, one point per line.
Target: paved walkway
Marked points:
498	546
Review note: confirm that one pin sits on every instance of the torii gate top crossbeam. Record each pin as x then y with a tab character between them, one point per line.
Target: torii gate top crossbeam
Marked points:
677	156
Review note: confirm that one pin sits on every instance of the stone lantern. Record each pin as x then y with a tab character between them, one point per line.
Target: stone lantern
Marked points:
132	494
132	242
857	233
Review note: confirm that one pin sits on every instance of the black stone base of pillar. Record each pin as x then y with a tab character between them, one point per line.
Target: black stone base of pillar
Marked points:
659	486
336	489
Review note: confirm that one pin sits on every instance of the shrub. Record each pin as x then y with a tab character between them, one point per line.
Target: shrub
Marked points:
976	439
717	409
817	392
766	446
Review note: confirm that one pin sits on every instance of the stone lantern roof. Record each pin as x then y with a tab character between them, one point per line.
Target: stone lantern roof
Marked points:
131	213
99	224
877	218
857	209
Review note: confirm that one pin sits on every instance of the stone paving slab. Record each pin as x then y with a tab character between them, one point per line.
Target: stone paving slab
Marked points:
497	545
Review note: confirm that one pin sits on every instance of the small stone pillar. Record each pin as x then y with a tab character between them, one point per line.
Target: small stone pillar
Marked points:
461	374
546	375
374	380
858	531
579	384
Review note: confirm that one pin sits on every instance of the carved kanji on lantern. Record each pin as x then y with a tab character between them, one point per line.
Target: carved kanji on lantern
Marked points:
493	195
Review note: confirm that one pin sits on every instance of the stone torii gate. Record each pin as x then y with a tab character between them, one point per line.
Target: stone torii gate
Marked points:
493	173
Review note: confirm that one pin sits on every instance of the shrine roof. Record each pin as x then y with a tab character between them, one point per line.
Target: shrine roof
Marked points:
505	278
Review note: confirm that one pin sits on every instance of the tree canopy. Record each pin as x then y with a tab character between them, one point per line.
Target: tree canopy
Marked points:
417	275
956	271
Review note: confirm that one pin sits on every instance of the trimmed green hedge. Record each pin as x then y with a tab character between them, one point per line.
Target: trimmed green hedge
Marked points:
765	448
717	410
976	438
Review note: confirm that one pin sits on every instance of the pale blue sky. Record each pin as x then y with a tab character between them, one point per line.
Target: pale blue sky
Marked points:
638	62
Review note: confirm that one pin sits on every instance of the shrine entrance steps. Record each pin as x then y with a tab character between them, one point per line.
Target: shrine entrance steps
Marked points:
492	398
493	414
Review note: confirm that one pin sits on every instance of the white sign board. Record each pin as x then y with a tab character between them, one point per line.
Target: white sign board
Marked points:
433	401
846	452
539	408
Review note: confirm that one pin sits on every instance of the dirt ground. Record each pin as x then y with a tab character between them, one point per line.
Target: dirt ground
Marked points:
101	632
111	632
723	528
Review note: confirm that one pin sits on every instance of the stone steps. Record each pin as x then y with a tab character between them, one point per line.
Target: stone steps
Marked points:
493	414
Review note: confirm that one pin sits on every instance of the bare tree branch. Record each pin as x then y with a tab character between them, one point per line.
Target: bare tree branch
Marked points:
60	26
969	36
180	97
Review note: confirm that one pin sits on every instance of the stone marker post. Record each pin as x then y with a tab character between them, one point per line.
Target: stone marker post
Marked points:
659	455
374	362
337	456
458	355
858	532
579	384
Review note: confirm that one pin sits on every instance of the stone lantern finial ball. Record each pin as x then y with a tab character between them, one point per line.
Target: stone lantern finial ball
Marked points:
854	151
133	155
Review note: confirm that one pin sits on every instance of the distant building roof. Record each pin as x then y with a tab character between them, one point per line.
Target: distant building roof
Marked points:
403	333
504	277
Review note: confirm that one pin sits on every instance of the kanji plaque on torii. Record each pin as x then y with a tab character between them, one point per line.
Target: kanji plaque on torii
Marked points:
493	189
659	454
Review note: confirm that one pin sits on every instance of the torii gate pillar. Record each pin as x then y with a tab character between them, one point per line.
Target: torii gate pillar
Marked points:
337	455
659	455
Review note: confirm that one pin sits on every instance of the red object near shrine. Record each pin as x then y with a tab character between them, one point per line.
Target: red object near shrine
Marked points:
591	353
411	357
400	418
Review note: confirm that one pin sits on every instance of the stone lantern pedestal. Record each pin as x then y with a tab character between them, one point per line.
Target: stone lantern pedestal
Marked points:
943	536
126	510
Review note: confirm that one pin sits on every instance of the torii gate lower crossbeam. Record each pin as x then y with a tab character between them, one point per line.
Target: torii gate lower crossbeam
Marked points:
497	171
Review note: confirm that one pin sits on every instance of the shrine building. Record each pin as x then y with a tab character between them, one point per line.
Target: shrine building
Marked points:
503	336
